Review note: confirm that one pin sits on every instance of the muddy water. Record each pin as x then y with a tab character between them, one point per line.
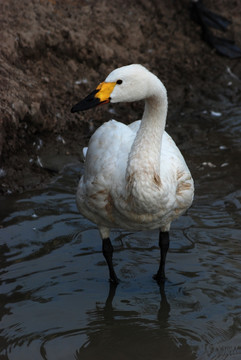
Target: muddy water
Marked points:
56	302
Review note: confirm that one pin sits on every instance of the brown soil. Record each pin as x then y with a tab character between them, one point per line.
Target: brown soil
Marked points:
54	52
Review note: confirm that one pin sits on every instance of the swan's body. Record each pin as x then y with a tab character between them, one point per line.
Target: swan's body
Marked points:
137	196
135	176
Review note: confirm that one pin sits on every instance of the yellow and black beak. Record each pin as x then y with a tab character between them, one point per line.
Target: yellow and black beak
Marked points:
101	95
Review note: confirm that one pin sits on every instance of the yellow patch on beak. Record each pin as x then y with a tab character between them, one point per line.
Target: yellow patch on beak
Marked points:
104	91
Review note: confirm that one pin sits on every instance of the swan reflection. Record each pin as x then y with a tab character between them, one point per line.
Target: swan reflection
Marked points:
122	334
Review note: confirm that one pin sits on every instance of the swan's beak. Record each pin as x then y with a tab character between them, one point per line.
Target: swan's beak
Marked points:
101	95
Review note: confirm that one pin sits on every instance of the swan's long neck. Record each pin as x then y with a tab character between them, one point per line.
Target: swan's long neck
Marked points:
143	168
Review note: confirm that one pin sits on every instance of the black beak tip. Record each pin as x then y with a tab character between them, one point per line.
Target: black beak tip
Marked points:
89	102
73	109
79	107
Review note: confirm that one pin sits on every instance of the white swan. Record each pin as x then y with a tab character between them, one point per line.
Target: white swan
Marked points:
135	176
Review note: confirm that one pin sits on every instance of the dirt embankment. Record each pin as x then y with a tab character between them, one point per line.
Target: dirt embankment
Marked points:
54	52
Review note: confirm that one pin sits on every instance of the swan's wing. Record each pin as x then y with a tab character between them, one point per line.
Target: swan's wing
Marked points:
108	131
135	126
107	153
104	176
175	172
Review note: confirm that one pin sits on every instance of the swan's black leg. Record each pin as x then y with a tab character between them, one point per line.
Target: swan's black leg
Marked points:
107	250
164	246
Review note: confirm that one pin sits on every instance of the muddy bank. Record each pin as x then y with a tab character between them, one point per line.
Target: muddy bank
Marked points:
54	52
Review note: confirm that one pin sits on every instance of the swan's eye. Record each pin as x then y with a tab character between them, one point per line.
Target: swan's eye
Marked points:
119	82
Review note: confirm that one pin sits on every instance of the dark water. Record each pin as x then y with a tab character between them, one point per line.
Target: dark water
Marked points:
56	302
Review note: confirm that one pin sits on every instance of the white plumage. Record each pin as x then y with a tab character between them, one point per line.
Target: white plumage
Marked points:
135	176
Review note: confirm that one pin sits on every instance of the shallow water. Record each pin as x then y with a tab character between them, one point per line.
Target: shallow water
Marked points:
56	302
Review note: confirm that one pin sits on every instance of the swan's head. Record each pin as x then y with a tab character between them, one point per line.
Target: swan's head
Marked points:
128	83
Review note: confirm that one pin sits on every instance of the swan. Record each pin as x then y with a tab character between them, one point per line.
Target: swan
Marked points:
135	177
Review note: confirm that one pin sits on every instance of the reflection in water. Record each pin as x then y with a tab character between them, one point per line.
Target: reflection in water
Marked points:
121	334
53	277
